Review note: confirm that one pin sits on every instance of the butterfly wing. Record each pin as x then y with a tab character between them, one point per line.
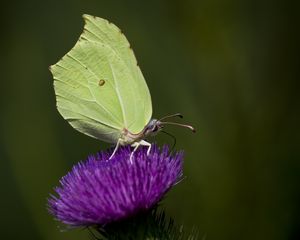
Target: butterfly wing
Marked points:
99	88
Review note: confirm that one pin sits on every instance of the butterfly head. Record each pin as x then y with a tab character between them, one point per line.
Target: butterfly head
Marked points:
154	126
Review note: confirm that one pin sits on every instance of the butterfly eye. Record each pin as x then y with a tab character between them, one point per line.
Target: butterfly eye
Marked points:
155	128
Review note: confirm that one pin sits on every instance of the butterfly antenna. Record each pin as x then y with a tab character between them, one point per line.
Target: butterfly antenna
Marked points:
173	137
179	124
172	115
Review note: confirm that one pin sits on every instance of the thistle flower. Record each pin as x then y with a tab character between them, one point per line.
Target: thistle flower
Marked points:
100	191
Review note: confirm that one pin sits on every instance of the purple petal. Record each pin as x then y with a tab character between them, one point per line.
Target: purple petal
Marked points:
100	191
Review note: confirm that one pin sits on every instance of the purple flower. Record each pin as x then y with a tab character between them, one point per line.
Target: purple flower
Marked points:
100	191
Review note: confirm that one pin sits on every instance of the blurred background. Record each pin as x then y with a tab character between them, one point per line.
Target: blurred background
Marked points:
231	67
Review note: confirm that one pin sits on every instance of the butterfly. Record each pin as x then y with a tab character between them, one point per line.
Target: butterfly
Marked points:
100	89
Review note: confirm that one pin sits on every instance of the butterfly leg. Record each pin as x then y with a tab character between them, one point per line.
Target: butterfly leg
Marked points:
136	146
115	150
144	143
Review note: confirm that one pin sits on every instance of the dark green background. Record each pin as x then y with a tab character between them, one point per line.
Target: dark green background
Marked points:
231	67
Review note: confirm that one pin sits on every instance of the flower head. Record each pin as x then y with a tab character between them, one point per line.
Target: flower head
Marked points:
100	191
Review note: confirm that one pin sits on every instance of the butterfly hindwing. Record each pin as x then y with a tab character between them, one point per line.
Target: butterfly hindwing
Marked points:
99	88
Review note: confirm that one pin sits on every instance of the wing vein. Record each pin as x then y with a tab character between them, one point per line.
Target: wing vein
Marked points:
62	81
86	68
75	96
118	93
107	45
90	118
